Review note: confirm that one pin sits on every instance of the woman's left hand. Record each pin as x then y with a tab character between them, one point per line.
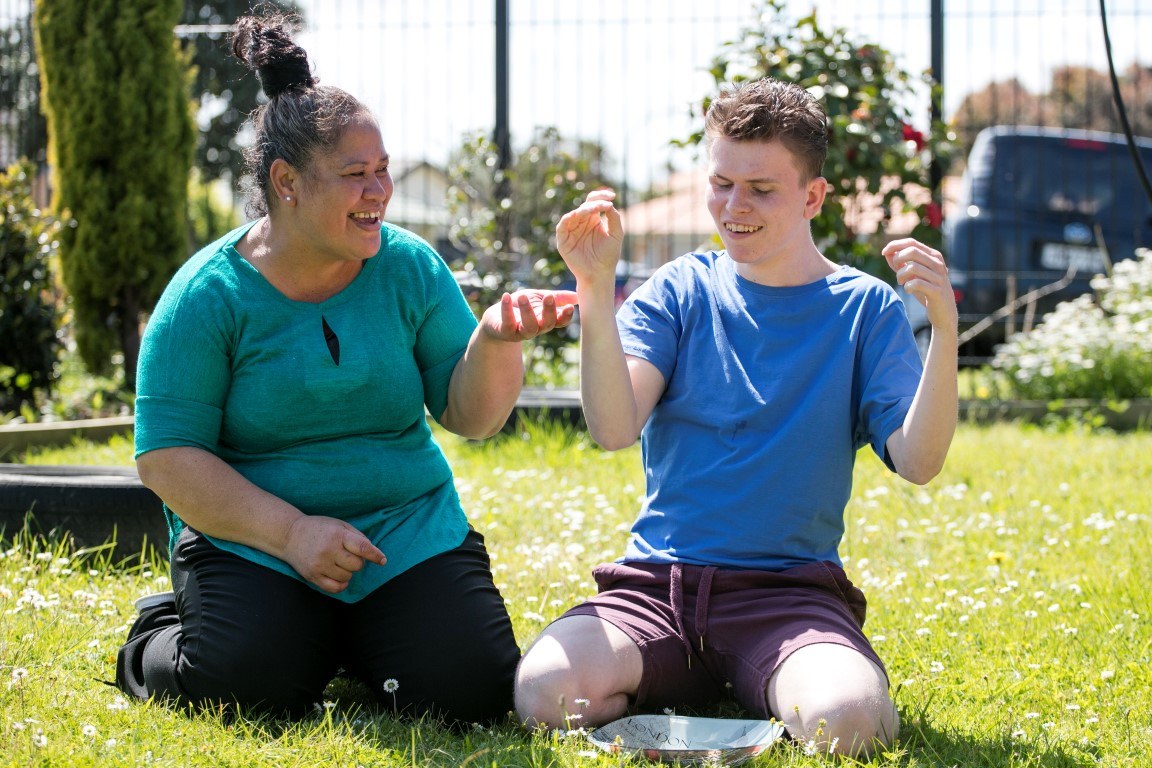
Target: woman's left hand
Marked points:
527	313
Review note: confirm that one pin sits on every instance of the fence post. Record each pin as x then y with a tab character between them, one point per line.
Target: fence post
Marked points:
935	173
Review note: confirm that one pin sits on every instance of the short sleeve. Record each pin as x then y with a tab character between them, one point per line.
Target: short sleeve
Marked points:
443	336
650	322
890	372
183	372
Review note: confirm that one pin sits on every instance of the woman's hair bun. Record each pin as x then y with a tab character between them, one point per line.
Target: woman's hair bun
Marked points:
266	47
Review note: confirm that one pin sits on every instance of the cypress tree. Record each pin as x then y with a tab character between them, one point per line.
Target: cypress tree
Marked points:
115	88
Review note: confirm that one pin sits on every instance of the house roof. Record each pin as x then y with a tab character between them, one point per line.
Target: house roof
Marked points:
412	211
681	210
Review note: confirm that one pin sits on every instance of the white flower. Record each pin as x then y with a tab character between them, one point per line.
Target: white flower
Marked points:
88	731
391	685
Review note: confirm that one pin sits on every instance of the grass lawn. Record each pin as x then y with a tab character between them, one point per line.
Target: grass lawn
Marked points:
1009	598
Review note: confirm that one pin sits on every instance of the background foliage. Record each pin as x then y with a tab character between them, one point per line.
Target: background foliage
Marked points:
1077	97
29	347
114	85
224	90
875	150
504	220
1092	346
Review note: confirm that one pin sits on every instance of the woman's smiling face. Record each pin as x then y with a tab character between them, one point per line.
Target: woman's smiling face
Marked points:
346	192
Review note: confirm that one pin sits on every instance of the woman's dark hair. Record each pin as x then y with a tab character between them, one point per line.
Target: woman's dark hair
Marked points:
301	118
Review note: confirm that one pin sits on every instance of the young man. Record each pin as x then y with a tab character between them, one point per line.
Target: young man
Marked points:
753	374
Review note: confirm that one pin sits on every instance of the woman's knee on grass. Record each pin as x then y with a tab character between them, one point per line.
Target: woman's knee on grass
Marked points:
835	699
281	679
580	672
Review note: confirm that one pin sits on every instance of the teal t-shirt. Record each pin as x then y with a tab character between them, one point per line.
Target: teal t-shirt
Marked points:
231	365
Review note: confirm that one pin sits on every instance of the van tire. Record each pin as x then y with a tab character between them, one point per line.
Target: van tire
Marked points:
88	506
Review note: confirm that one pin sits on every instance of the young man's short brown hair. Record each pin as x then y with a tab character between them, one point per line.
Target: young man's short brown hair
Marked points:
772	110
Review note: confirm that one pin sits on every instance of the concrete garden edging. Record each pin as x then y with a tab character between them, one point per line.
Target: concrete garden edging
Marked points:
15	438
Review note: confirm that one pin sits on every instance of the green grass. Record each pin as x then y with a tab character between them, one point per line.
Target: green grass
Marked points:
117	451
1009	599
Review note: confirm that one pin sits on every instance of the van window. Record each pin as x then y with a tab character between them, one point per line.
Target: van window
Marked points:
1046	174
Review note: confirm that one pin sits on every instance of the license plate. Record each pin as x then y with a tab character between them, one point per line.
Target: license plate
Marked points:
1062	256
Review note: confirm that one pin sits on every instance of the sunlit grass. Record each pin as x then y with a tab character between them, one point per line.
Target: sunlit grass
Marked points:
117	451
1008	598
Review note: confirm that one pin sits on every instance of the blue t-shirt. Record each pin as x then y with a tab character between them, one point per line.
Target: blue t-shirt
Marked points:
230	365
770	392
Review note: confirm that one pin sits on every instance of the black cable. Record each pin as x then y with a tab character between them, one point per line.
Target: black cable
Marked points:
1136	159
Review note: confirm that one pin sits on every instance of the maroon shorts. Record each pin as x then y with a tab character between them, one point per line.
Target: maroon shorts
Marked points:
710	634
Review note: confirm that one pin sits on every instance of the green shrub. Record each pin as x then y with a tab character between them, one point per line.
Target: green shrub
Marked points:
504	222
211	212
29	347
114	85
1090	347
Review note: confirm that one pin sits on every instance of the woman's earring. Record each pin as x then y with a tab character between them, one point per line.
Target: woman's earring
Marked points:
288	198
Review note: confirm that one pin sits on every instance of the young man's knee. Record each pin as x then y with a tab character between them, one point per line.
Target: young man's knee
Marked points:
579	673
844	722
860	726
834	698
543	690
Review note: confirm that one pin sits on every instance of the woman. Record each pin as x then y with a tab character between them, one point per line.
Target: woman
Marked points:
283	383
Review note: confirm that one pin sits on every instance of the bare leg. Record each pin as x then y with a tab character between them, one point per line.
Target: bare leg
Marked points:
831	694
580	672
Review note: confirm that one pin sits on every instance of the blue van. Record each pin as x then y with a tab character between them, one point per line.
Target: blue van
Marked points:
1041	210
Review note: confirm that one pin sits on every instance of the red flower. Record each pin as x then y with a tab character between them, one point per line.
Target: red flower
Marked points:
933	216
913	135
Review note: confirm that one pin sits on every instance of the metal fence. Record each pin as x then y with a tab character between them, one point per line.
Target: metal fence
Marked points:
625	76
22	127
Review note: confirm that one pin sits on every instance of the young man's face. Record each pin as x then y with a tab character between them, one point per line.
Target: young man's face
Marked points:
761	203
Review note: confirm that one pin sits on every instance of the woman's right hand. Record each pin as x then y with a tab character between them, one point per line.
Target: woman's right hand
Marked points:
327	551
591	237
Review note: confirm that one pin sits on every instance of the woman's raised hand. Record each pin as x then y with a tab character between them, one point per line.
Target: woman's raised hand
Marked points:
527	313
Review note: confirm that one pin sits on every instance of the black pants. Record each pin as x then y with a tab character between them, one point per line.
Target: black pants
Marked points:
436	639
